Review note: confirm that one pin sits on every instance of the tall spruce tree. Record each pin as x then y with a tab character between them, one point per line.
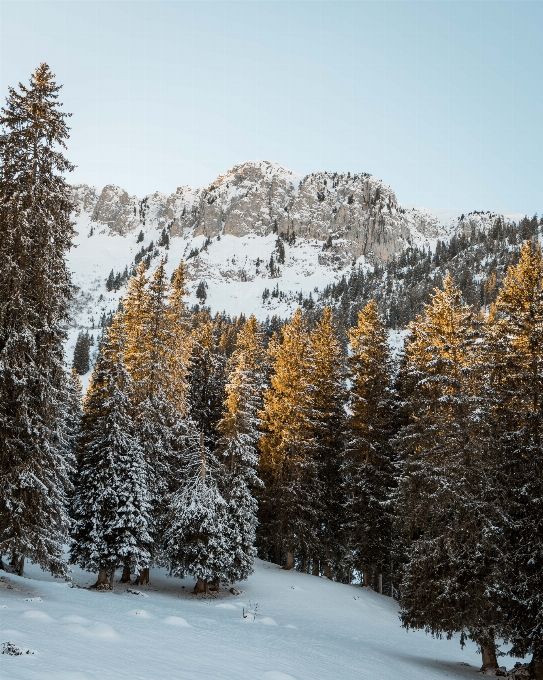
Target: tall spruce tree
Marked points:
237	448
288	463
368	471
327	378
35	235
514	357
446	499
148	357
111	507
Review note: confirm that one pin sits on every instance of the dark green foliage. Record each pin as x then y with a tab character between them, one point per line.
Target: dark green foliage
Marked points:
81	361
35	235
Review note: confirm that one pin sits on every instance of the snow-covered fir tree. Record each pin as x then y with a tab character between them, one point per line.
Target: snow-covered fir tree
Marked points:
35	235
111	507
197	536
367	475
514	385
73	412
288	465
446	510
81	361
237	448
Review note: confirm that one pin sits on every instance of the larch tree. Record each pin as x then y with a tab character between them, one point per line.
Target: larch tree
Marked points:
328	385
514	357
237	448
368	471
446	510
35	235
288	463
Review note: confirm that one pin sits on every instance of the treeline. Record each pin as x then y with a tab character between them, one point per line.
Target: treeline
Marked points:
403	285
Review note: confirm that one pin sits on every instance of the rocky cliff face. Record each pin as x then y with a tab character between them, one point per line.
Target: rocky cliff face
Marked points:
359	212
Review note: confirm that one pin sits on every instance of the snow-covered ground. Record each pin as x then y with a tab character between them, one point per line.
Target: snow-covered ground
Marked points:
297	627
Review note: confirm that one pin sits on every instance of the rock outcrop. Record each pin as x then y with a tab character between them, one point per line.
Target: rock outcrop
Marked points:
358	212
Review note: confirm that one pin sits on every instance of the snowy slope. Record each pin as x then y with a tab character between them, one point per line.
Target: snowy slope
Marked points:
300	627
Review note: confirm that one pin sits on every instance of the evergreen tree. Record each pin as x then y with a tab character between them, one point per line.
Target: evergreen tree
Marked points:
237	447
514	356
327	378
446	498
196	540
288	465
35	234
148	359
81	362
207	377
368	470
111	508
73	412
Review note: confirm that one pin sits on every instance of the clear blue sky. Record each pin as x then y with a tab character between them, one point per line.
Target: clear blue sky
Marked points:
441	100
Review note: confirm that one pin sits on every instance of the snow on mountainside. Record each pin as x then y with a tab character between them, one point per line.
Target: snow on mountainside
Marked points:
228	235
296	627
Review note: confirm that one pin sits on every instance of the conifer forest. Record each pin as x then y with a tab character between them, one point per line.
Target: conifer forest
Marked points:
204	441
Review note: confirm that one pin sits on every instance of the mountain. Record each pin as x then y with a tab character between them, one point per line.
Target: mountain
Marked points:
259	239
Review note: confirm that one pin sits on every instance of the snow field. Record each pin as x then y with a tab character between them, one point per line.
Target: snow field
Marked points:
284	626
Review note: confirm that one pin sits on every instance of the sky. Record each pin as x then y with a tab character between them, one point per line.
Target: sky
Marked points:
441	100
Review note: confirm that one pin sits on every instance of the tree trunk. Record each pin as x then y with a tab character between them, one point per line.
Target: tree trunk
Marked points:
316	570
143	577
111	577
536	666
125	578
290	561
277	554
21	566
327	571
380	583
488	652
367	579
201	586
101	581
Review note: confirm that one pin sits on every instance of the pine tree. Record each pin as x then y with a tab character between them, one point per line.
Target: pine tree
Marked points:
446	508
327	378
111	507
81	362
288	465
237	447
148	359
35	234
207	377
368	470
196	539
514	355
73	412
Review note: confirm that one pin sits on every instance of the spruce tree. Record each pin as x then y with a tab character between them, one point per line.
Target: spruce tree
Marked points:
35	235
206	377
514	356
368	470
196	539
237	447
327	378
73	412
111	506
446	509
288	465
81	361
148	359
